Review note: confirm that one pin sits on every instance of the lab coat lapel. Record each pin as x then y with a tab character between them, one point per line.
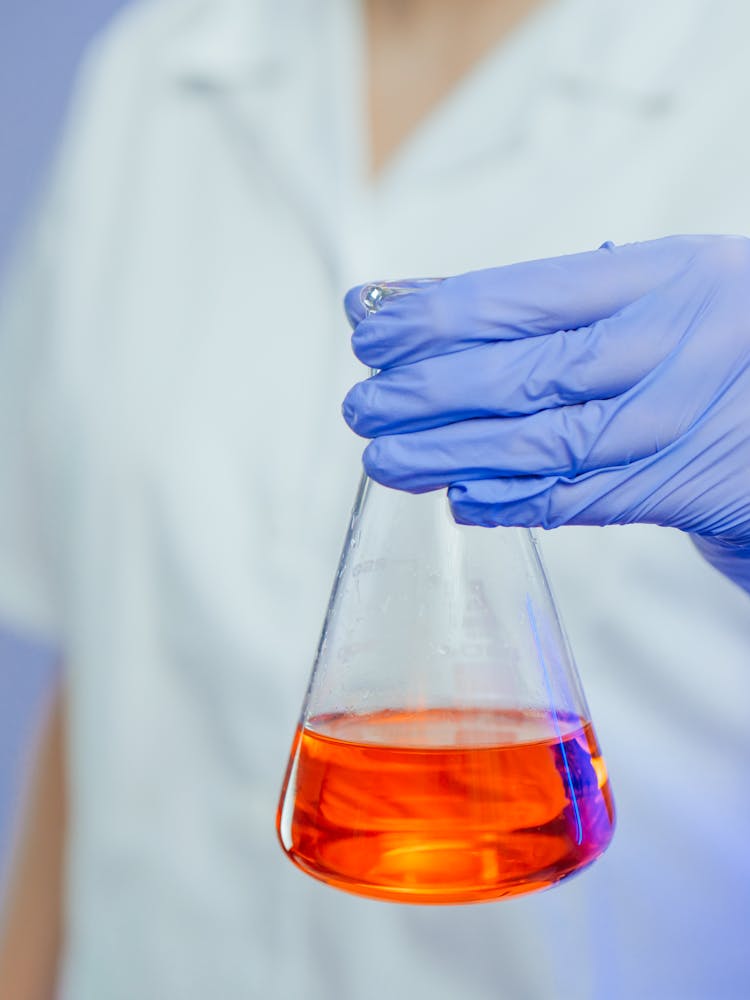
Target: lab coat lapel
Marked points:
630	55
279	78
609	57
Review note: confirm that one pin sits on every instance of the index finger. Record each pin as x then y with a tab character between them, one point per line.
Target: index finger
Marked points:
529	299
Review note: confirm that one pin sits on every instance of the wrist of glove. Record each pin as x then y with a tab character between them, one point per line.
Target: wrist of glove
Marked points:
609	387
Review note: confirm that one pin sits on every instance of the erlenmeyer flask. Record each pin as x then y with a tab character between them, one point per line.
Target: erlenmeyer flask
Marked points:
445	752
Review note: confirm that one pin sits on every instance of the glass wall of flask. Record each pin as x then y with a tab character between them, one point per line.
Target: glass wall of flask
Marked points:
445	752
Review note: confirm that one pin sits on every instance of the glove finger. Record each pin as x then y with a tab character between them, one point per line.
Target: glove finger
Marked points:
625	495
519	377
541	501
528	299
547	443
680	487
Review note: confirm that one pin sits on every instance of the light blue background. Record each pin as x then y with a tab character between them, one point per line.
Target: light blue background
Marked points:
40	44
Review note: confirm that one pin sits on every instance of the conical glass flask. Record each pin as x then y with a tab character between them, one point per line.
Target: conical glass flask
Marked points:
445	752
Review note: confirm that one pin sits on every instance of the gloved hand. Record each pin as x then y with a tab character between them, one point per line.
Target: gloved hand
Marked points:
608	387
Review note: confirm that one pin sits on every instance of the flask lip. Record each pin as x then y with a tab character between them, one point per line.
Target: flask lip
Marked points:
373	295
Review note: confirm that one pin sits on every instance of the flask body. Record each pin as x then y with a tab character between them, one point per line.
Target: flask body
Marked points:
445	752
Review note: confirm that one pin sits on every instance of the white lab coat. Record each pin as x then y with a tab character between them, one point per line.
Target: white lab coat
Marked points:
175	481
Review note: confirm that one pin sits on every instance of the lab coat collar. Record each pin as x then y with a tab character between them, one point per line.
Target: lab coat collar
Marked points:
605	48
615	51
282	104
222	44
261	60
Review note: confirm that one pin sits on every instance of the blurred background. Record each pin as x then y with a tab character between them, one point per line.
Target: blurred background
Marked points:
41	42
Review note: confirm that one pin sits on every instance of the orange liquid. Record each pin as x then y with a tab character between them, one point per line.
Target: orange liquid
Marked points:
445	805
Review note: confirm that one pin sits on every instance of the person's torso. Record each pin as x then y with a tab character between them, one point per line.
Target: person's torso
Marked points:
202	479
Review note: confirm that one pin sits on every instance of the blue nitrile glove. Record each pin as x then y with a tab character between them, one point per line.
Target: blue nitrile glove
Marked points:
608	387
